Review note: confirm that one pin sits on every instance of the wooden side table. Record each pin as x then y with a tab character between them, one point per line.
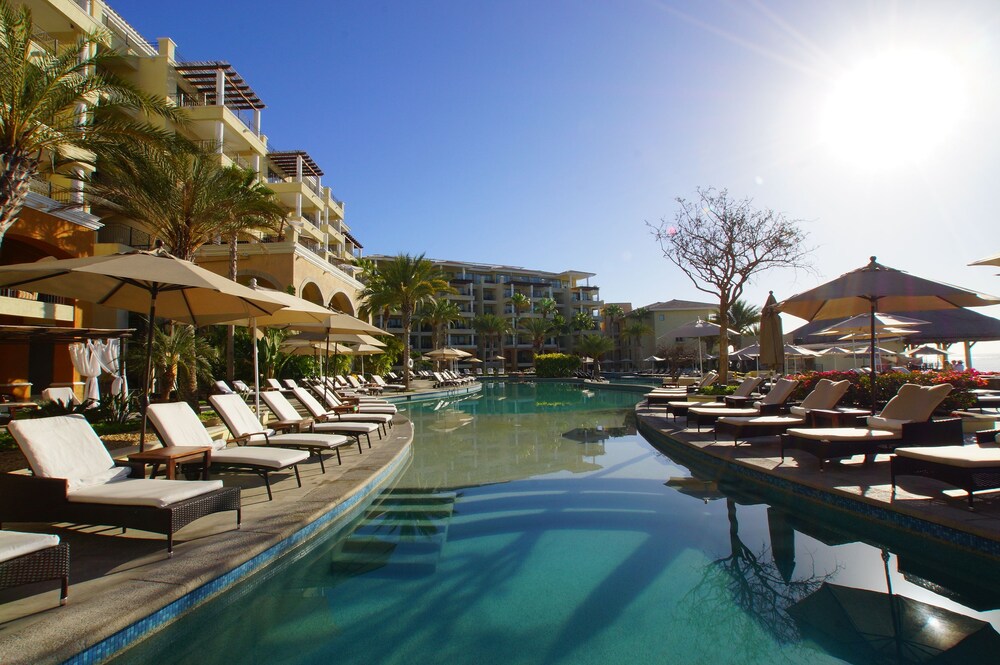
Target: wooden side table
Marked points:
171	456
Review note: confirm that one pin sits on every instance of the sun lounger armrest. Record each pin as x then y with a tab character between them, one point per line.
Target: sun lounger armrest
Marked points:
944	432
772	409
987	436
31	498
290	425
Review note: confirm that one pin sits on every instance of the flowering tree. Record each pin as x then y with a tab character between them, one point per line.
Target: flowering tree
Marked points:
720	243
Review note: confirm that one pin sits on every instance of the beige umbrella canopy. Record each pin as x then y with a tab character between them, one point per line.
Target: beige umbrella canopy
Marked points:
154	282
884	323
447	353
878	288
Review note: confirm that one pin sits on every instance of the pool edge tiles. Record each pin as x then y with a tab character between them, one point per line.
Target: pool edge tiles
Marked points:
827	499
343	512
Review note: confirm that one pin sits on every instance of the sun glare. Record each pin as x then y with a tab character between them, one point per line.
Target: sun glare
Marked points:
895	109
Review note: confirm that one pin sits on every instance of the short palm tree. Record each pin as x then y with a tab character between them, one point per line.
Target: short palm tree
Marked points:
633	332
181	357
490	328
581	322
547	307
403	284
55	104
538	330
439	315
595	346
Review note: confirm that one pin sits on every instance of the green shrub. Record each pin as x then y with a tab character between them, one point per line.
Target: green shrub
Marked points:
716	389
556	364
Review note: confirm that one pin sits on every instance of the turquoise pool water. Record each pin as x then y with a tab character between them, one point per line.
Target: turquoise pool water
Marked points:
534	526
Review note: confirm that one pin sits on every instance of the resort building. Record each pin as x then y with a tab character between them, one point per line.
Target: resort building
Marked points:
663	317
312	254
487	289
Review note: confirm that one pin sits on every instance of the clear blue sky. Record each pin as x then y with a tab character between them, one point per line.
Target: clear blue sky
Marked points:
544	134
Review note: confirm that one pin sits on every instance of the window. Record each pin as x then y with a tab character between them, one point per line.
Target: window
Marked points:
661	317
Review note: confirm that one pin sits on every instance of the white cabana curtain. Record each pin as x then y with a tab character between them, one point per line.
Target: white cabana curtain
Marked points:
108	354
86	364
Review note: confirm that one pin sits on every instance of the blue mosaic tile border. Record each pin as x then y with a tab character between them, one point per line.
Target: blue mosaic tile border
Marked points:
144	627
866	510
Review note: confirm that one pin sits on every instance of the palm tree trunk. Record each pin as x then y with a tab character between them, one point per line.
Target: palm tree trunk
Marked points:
231	330
406	321
15	178
723	341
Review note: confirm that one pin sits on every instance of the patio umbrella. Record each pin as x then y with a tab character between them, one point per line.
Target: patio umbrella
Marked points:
447	353
771	336
876	288
926	350
988	261
153	282
861	324
697	329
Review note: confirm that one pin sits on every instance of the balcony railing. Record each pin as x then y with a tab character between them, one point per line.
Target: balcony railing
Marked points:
37	297
129	36
124	235
46	188
186	100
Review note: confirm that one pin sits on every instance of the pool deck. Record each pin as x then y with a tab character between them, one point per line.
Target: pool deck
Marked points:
920	505
119	579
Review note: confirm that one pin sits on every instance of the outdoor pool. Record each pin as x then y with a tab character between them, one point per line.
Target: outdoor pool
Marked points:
534	525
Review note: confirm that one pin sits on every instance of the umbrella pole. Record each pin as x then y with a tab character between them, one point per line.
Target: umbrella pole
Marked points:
872	354
148	379
326	384
256	367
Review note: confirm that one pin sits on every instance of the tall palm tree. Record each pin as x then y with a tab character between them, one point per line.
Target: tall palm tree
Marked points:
401	285
490	328
52	105
438	315
594	346
742	318
614	314
538	330
547	307
581	322
633	332
521	304
253	206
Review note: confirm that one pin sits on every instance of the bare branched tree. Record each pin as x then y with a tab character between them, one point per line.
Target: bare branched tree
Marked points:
720	243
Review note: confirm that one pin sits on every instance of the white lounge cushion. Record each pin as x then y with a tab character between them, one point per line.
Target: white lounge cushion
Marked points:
878	422
915	403
723	411
65	447
780	392
824	395
17	543
798	410
144	492
237	415
750	421
280	406
262	456
302	439
961	456
362	417
179	425
844	434
354	427
685	403
379	408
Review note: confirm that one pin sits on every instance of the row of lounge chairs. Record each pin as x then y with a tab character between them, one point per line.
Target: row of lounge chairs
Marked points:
920	445
74	479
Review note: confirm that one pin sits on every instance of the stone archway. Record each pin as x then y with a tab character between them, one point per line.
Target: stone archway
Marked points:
341	303
264	281
312	293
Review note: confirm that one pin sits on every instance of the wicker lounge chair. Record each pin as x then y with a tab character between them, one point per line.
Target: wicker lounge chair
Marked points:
972	468
75	480
824	396
178	425
905	421
26	558
246	429
744	391
772	403
288	415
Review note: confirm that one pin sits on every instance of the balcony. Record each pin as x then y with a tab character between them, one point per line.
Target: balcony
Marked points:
123	234
27	304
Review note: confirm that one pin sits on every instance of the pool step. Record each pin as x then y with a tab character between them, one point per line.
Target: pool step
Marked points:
401	534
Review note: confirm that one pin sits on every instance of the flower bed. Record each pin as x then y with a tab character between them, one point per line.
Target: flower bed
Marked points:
888	384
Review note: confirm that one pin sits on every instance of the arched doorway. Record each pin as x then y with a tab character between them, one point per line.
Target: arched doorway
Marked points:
341	303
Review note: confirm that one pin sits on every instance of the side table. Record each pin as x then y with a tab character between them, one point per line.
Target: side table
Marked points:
171	456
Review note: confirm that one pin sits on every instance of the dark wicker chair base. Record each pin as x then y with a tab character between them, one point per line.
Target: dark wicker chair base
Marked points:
34	499
970	479
930	433
52	563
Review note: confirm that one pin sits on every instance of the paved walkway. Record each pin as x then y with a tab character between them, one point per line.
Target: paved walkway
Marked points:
843	483
117	579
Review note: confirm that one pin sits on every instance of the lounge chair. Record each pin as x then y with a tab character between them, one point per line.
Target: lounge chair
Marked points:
75	480
245	428
382	416
390	386
222	388
178	425
26	558
905	421
973	468
744	390
287	415
62	395
773	402
242	389
333	402
659	396
824	396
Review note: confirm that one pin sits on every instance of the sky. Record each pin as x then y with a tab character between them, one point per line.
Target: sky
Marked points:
547	134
